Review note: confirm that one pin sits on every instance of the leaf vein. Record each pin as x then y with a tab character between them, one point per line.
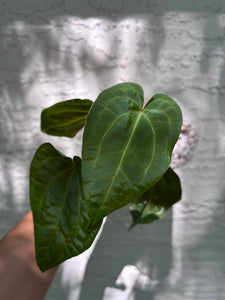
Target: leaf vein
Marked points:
120	163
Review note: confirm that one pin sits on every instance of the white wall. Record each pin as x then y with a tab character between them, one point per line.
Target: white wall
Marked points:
54	50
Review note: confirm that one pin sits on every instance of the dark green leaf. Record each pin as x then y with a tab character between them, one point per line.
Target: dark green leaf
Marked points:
65	118
154	203
60	213
126	148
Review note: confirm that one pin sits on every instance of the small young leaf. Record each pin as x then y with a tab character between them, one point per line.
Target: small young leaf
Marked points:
65	118
154	203
61	221
126	147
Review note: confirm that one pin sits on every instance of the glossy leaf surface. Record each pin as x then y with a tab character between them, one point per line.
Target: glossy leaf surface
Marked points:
59	210
154	203
65	118
126	147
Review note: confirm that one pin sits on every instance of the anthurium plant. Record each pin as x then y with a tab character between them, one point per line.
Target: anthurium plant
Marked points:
126	154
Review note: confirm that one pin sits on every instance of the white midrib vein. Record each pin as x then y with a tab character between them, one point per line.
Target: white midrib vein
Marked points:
120	163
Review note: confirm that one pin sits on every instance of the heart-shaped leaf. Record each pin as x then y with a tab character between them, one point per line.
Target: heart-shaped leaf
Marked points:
65	118
154	203
61	221
126	147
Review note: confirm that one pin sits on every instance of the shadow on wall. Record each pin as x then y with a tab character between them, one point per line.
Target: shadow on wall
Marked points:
212	59
99	8
206	258
126	263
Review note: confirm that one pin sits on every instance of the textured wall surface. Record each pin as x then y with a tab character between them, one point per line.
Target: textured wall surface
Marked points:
54	50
